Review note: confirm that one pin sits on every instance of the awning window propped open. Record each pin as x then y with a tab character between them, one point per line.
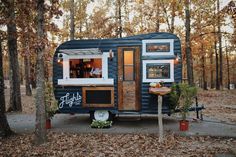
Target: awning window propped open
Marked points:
92	51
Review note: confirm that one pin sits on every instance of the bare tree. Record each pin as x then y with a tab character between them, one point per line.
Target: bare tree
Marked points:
40	130
188	48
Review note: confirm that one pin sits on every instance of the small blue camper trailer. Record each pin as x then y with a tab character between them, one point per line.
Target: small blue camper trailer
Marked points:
105	77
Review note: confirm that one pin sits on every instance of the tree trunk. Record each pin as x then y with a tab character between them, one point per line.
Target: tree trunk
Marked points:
27	75
228	71
220	46
80	22
212	71
119	19
203	68
33	75
15	94
173	5
157	17
4	127
216	57
27	67
40	130
188	49
72	20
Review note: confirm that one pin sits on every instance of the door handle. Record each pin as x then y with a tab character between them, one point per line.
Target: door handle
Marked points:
121	78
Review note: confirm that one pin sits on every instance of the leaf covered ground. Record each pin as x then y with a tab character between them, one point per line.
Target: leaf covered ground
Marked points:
62	144
219	105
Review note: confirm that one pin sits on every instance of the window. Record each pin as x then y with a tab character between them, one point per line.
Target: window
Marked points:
85	67
158	70
128	65
158	47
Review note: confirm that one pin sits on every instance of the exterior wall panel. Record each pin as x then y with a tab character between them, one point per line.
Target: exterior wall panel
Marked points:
148	101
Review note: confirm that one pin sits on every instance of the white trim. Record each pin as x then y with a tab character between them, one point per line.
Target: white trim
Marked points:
85	81
91	51
145	42
171	62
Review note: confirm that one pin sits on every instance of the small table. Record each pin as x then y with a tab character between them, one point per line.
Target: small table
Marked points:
160	92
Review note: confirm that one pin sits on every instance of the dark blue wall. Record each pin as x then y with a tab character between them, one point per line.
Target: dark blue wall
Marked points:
148	101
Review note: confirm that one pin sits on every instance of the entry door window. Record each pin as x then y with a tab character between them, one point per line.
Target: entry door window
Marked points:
128	65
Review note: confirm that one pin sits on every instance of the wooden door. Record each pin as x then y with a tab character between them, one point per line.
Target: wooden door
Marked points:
129	78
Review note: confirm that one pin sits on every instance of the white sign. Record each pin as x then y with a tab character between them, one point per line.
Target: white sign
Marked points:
70	99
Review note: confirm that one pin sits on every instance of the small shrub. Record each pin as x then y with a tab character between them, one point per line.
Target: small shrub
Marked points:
50	101
181	97
101	124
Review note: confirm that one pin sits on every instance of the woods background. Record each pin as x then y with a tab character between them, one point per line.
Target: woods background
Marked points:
212	36
212	39
31	30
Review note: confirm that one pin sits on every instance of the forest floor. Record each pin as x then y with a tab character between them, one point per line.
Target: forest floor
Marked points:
220	105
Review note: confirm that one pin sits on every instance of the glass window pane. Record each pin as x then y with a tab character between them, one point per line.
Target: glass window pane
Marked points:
128	65
158	71
86	68
128	58
158	47
128	73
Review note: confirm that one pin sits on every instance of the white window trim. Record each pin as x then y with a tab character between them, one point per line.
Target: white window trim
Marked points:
145	62
145	42
85	81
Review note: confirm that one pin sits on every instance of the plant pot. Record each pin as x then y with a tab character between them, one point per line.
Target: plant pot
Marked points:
184	125
48	124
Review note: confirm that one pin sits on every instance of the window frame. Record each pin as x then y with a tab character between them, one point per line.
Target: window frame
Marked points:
66	80
146	79
158	53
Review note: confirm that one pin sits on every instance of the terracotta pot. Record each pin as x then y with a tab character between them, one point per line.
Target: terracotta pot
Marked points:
48	124
184	125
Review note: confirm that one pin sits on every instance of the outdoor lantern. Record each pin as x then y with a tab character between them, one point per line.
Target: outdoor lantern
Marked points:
111	54
177	59
60	58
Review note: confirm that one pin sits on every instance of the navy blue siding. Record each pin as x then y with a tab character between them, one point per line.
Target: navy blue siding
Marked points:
148	101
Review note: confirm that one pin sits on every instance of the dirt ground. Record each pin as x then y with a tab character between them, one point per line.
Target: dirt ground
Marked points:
220	105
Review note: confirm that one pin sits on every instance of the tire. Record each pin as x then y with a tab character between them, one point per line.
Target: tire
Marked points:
93	116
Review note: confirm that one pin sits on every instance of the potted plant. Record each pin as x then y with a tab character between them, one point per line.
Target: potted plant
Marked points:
101	124
186	97
181	97
50	103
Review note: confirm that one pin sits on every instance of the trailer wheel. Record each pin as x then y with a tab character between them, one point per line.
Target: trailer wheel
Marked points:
102	115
